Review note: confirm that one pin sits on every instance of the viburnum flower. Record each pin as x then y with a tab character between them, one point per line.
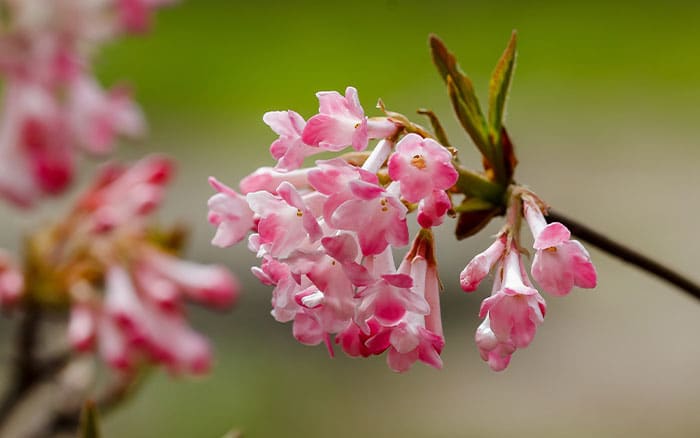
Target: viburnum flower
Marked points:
559	263
341	122
122	278
289	149
326	234
512	313
53	107
421	166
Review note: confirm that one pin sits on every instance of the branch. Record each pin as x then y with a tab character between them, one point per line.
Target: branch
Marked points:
627	254
24	372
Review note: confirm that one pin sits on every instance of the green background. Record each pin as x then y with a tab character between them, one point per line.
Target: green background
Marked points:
603	113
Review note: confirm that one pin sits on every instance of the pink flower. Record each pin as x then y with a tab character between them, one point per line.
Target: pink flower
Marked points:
421	166
480	266
432	210
52	103
124	194
378	218
388	300
211	285
137	314
335	178
135	15
268	179
514	311
35	156
341	122
285	220
230	213
96	117
289	149
559	263
11	281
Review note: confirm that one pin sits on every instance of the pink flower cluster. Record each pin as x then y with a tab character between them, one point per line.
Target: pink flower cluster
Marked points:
140	316
325	234
515	308
52	105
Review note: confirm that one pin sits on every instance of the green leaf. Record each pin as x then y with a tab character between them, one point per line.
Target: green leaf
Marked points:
475	185
89	422
474	204
498	89
470	114
471	120
439	131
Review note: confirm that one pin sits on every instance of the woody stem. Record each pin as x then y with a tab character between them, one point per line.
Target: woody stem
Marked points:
627	254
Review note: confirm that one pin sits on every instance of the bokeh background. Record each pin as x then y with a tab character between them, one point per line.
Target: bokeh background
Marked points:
604	115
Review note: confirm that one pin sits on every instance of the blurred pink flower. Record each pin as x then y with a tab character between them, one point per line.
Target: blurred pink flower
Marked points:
141	316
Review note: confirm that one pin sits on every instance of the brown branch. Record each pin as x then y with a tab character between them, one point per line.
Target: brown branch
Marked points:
627	254
24	371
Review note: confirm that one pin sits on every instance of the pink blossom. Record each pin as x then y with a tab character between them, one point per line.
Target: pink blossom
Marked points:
432	210
53	106
268	179
421	166
480	266
388	300
335	178
11	281
230	213
96	117
135	15
514	311
289	149
211	285
123	194
377	216
285	221
341	122
35	158
559	263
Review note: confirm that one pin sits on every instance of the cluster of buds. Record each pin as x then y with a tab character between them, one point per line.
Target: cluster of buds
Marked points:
325	234
124	283
515	308
53	106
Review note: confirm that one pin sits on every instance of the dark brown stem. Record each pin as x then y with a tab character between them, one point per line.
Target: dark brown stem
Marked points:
627	254
24	372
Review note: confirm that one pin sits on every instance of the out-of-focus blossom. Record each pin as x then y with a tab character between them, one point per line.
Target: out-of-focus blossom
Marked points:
11	281
53	107
122	278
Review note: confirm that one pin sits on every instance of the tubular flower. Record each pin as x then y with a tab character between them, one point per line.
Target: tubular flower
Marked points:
126	287
341	122
560	263
326	235
53	107
512	314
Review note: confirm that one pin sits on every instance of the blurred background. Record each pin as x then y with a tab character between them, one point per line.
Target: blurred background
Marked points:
603	112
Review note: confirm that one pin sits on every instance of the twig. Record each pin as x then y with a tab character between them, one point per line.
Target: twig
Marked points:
24	372
627	254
